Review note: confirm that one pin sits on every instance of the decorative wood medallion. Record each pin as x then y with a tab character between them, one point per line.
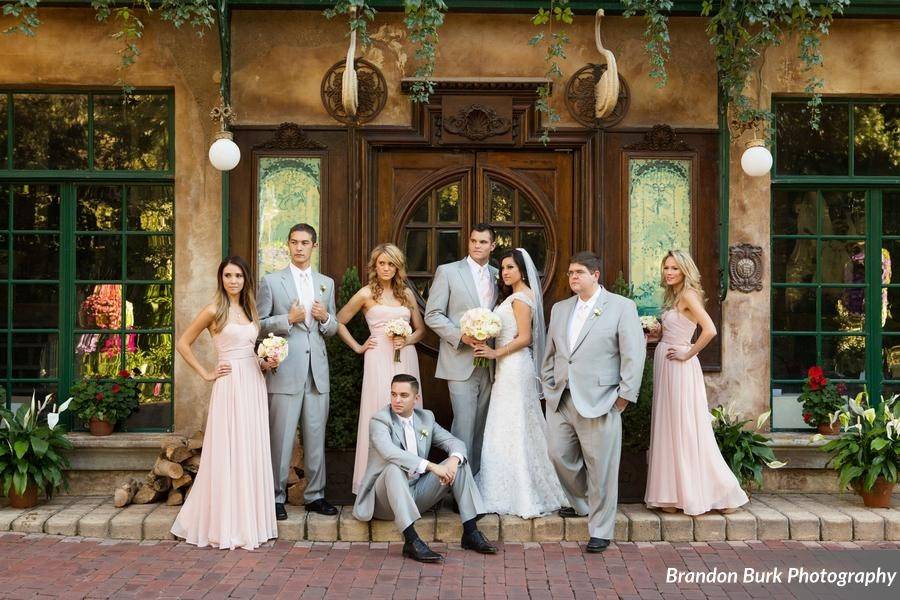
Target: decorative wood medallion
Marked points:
581	98
477	122
289	136
372	92
662	138
745	267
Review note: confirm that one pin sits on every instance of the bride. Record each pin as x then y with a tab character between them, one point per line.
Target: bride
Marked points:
517	477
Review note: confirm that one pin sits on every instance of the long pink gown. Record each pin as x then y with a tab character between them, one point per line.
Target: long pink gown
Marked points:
686	470
232	501
378	370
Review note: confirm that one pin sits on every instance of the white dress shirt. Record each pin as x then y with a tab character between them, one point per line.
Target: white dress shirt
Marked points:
580	317
409	434
303	282
482	277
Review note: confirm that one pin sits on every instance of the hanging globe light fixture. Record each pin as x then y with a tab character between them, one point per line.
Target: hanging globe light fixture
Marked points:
224	154
756	160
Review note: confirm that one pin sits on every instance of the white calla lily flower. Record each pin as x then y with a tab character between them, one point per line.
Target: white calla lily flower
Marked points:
776	464
52	420
64	406
817	438
869	414
761	420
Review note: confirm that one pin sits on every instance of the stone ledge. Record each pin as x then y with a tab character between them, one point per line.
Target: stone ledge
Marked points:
116	452
768	516
798	449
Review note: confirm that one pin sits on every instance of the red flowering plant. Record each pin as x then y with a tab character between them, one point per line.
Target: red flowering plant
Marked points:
821	398
106	399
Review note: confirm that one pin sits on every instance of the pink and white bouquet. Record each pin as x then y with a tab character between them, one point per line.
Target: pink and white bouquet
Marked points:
650	324
481	324
397	328
275	347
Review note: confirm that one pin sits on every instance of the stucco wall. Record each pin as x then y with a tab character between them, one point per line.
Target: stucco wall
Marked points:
861	57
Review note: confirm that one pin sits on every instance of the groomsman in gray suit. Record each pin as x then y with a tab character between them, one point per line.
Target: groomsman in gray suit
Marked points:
457	287
400	483
592	369
297	303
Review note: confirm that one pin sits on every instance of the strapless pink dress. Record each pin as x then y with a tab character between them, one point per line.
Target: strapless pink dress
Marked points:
687	470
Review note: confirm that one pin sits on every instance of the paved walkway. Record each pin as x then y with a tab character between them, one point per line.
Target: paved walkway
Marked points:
803	517
43	566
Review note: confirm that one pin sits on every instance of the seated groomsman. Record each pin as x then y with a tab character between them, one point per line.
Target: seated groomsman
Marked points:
400	483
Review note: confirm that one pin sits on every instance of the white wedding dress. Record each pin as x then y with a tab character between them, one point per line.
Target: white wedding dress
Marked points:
516	476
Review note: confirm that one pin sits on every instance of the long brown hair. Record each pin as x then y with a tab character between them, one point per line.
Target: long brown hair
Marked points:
247	298
398	282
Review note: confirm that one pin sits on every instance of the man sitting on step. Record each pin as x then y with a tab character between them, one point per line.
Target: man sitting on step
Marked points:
400	483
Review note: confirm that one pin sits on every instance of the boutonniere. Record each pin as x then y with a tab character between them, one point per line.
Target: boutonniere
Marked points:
597	312
423	433
322	289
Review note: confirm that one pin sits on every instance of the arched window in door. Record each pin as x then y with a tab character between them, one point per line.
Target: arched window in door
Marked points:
437	226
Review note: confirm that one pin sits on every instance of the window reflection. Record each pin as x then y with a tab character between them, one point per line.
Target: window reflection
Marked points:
801	150
876	139
131	132
50	131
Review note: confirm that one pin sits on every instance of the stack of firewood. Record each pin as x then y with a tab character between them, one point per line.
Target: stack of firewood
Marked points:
171	476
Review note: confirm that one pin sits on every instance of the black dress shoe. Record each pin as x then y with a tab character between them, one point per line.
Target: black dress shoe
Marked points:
567	512
419	550
322	506
597	545
477	542
280	512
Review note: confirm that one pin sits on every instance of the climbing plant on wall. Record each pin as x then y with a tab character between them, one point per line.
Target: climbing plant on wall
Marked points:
559	12
741	31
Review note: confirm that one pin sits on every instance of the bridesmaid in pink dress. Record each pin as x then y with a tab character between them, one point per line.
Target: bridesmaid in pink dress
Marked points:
385	298
686	470
231	503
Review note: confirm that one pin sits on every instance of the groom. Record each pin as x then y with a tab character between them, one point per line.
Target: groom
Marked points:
297	303
457	287
592	369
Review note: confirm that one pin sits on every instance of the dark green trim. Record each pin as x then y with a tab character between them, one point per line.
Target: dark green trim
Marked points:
724	191
224	20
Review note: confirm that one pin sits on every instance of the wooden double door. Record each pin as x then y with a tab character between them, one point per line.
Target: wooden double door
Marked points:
426	202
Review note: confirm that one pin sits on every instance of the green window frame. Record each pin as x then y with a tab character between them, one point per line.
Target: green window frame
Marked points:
833	337
73	280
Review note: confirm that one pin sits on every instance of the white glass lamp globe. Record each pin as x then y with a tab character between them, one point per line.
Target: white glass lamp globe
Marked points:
756	160
224	154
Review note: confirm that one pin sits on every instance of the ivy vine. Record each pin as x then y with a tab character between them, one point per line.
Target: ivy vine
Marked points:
198	13
560	12
423	19
360	14
741	31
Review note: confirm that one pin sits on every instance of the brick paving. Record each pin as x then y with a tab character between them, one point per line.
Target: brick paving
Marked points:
44	566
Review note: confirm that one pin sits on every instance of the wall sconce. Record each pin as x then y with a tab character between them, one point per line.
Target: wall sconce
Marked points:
756	160
224	154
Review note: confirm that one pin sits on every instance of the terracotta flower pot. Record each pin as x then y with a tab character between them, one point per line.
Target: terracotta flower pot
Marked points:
26	500
99	427
830	429
880	494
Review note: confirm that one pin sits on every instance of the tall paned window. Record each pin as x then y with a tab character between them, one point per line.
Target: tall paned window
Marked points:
835	233
87	221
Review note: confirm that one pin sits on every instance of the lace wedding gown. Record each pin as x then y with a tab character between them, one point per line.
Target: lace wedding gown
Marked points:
516	477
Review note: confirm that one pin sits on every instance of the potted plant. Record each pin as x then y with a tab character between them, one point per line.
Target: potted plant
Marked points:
103	402
31	452
746	451
867	453
821	399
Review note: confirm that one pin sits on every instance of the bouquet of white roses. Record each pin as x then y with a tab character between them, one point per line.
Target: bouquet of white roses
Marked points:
481	324
650	324
275	347
397	328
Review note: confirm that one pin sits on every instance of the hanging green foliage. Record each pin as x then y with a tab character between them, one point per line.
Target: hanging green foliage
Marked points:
560	12
423	19
656	34
359	12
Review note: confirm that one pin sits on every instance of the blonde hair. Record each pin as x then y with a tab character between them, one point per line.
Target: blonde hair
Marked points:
247	298
691	281
398	282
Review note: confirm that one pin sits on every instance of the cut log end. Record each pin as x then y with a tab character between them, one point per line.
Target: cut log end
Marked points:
125	493
166	468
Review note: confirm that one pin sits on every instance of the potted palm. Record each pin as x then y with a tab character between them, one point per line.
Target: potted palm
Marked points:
101	403
32	449
820	399
746	451
867	453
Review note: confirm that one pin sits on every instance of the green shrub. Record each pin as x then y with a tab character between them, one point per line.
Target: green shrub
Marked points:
346	372
746	451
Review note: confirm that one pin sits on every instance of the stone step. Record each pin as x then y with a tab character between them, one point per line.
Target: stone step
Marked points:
812	517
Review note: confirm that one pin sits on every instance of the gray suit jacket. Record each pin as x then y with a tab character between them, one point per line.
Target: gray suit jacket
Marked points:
607	361
305	347
452	293
387	446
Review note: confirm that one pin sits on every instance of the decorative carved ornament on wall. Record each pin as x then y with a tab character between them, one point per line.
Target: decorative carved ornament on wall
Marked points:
289	136
745	267
661	138
372	94
581	97
477	122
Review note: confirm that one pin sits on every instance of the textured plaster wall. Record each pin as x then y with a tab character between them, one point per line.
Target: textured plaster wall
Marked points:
861	57
279	59
72	49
